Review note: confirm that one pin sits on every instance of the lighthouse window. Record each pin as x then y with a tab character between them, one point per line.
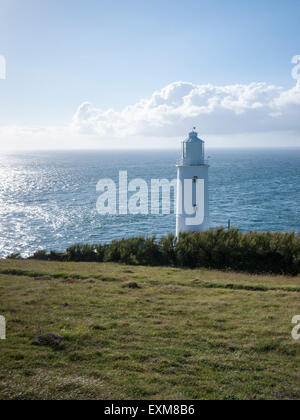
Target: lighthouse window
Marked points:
184	150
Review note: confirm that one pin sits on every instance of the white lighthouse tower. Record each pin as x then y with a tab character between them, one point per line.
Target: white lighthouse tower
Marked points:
192	187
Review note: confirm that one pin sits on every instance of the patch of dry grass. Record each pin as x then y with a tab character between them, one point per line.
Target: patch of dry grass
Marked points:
187	334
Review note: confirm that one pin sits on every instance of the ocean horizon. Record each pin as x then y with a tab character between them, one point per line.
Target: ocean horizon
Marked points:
48	198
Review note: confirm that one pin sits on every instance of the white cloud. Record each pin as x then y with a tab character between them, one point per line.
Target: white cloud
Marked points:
216	110
257	114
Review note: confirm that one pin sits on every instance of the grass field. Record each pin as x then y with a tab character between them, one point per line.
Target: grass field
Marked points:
184	334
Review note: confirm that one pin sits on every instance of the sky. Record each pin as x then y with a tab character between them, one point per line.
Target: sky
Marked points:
140	74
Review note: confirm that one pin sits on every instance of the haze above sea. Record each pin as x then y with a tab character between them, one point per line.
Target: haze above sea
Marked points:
48	199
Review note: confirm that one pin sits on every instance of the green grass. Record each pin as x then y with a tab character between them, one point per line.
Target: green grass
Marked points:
185	334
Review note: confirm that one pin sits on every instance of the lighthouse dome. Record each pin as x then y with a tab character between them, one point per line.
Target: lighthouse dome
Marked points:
193	150
193	138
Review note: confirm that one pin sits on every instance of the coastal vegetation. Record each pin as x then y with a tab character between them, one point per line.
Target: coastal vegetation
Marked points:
253	252
84	330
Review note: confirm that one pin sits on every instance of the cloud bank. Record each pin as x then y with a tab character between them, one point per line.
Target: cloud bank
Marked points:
255	115
216	110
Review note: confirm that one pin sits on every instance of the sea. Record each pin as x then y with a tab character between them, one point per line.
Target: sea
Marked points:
48	198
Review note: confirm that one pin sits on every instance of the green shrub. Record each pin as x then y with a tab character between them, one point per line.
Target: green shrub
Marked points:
168	250
40	255
254	252
16	256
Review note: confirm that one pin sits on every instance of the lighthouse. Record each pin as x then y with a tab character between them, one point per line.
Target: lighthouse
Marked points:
192	187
